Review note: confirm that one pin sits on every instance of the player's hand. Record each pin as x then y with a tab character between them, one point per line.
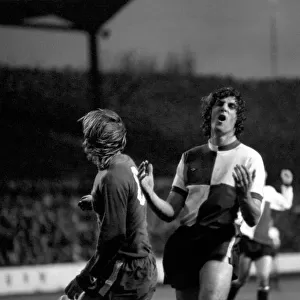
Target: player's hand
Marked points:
286	176
86	202
73	290
145	175
243	179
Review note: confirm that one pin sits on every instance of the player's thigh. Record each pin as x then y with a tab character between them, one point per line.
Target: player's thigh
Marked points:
244	267
215	280
275	264
264	266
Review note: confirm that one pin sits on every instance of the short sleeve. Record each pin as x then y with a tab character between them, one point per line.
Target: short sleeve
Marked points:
258	184
115	195
281	201
178	184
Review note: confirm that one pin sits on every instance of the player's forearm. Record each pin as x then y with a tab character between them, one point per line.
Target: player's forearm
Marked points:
287	192
284	200
161	208
250	209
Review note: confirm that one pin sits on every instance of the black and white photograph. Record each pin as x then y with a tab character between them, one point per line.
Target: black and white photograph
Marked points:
149	150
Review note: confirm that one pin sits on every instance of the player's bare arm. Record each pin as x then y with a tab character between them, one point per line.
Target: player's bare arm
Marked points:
250	207
284	200
166	210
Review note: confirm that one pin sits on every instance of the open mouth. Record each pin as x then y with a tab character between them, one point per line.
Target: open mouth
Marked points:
221	118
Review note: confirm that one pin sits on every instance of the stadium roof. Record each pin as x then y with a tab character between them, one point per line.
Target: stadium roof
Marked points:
88	15
84	15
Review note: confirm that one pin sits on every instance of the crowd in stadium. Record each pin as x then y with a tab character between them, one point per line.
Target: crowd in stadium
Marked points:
48	225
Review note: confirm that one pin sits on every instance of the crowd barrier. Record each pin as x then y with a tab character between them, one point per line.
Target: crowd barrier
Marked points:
54	277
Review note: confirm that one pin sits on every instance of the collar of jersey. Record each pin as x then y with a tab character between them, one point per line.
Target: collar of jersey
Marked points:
225	147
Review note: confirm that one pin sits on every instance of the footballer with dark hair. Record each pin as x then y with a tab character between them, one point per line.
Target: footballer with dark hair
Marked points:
211	100
212	184
123	266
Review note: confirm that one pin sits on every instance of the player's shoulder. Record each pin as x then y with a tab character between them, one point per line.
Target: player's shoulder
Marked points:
99	177
196	151
122	161
249	151
199	148
121	169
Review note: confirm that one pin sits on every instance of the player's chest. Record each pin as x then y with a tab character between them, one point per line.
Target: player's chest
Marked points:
215	168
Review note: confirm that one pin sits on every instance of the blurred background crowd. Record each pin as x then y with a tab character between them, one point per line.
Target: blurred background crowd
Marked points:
41	224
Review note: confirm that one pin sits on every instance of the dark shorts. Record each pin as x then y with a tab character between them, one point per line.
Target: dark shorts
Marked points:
186	252
130	278
138	278
255	250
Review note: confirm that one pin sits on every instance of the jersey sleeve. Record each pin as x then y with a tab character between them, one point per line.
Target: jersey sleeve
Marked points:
284	200
257	165
288	193
178	185
114	193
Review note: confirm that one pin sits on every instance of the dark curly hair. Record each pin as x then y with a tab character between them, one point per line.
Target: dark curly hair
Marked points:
210	100
104	135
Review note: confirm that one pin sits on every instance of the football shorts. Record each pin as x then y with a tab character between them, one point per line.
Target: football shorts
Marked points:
255	250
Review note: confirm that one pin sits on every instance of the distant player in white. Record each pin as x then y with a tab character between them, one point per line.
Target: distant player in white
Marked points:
286	176
259	244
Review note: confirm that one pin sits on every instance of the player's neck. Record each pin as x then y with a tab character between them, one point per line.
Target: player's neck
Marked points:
222	140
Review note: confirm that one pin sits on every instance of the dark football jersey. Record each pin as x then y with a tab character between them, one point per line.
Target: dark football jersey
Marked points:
121	211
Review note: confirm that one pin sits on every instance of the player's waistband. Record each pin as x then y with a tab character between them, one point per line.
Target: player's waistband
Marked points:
198	231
